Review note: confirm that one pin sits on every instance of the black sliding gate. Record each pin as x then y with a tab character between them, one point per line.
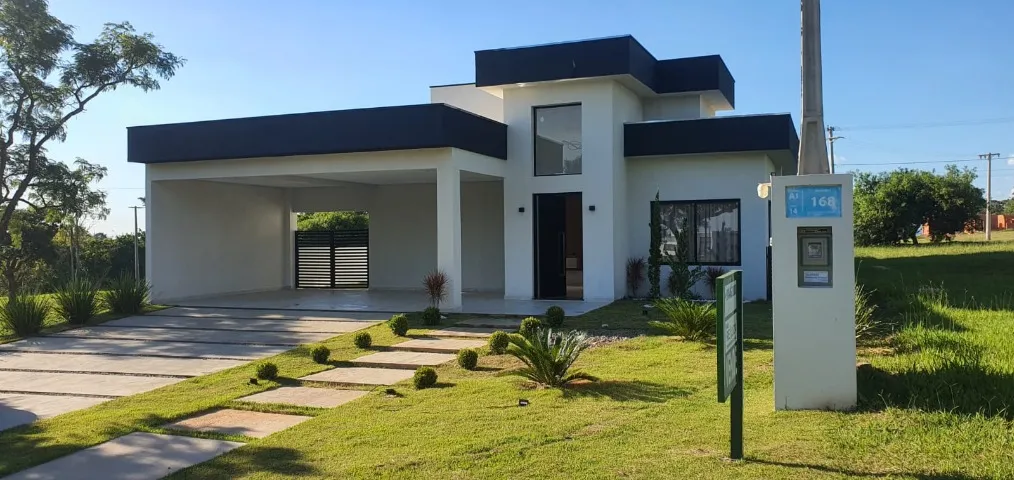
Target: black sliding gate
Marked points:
333	259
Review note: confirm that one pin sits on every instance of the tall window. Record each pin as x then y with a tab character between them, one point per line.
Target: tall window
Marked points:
713	230
558	140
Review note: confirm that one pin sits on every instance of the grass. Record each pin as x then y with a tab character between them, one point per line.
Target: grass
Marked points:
936	401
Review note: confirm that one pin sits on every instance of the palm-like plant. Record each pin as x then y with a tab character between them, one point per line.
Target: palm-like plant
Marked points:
691	320
548	356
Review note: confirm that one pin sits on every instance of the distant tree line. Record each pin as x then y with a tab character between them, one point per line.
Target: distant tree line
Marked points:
332	221
890	207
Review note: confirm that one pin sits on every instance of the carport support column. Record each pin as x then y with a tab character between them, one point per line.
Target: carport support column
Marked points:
449	232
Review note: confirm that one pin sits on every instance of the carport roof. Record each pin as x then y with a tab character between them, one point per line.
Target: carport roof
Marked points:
407	127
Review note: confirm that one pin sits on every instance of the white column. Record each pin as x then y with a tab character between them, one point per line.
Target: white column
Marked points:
449	232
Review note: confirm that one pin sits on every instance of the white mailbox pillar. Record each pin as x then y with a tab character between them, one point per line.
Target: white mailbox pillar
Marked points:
813	281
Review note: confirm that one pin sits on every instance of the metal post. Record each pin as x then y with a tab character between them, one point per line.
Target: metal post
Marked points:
137	263
830	140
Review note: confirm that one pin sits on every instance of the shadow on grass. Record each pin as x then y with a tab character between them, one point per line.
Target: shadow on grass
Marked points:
251	459
625	391
861	474
966	387
442	385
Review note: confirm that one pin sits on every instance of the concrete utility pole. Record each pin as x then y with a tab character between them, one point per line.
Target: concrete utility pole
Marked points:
137	265
989	196
830	140
812	149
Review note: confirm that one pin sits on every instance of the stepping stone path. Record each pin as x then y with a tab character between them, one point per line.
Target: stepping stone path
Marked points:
135	456
306	396
147	455
21	408
438	345
239	422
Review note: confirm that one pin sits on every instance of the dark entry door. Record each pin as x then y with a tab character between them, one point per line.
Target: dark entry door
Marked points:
550	245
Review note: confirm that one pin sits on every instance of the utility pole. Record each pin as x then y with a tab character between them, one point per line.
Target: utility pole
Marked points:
137	265
830	139
989	196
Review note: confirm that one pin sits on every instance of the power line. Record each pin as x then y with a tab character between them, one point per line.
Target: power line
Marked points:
962	160
902	126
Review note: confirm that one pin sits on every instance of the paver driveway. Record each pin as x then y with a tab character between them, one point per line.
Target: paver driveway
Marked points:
46	376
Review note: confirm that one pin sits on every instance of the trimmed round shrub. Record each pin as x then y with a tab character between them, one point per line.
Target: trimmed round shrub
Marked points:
320	354
529	326
554	316
267	371
399	324
498	342
468	359
363	340
424	377
431	316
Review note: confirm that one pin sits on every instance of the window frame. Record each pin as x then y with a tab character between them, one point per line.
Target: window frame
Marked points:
693	214
535	135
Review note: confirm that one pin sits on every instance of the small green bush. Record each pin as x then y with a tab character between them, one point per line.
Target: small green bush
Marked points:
77	302
468	359
498	342
363	340
25	314
399	324
431	316
424	377
529	326
320	354
126	296
267	371
554	316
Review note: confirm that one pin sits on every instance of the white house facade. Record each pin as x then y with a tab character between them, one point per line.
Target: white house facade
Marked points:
533	181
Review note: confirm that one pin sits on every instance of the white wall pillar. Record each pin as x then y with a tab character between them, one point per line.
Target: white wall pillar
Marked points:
449	231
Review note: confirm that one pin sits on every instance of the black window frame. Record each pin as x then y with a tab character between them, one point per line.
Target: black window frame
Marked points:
535	135
693	217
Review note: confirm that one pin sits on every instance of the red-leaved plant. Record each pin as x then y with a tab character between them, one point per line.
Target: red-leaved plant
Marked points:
436	286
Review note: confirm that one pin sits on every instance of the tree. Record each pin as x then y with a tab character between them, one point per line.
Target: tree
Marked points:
67	196
655	250
32	238
957	202
47	78
332	221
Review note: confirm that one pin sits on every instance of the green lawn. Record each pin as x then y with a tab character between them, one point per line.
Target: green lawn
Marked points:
937	401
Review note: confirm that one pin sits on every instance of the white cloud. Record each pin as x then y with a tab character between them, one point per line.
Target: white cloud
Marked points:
1010	160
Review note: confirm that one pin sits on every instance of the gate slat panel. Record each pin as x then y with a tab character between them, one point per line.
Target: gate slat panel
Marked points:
333	259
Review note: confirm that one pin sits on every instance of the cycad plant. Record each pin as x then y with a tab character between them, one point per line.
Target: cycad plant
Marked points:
77	301
549	356
691	320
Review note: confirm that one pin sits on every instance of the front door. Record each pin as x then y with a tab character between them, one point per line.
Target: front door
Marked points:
550	245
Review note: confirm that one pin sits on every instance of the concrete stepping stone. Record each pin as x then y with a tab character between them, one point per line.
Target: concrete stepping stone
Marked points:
361	376
138	347
306	396
55	362
138	456
438	345
505	324
202	336
239	422
266	314
464	332
80	383
19	409
409	360
241	324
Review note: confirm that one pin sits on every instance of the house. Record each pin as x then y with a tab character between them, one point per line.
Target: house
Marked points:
533	181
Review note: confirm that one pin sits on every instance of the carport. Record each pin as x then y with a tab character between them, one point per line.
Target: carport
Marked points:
221	197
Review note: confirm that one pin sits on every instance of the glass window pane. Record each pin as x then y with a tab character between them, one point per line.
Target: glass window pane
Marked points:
675	216
558	140
717	232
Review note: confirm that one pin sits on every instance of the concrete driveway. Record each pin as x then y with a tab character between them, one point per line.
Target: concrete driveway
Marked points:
45	376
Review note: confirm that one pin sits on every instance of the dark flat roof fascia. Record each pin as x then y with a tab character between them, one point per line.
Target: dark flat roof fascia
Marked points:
407	127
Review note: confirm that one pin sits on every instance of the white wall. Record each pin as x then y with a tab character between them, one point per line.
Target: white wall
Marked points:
626	108
403	235
599	148
704	177
213	238
469	98
673	107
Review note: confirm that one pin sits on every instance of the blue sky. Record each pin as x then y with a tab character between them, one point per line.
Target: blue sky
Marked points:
943	69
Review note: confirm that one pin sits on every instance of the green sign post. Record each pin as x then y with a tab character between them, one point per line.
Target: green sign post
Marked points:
729	295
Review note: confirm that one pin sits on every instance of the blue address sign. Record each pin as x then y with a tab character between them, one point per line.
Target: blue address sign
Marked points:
805	201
